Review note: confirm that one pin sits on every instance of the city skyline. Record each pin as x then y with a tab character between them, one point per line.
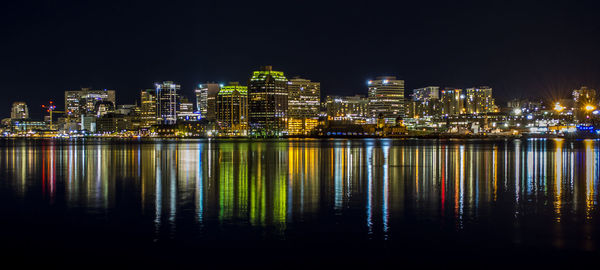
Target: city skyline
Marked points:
519	48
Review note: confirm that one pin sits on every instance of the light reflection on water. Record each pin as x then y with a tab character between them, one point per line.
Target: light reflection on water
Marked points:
280	183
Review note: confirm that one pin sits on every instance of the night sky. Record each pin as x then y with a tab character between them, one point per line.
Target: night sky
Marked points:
521	49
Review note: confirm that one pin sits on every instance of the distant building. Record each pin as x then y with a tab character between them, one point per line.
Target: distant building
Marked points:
268	102
426	102
353	108
452	101
232	109
166	102
206	95
19	110
185	110
148	114
479	100
84	101
304	102
386	98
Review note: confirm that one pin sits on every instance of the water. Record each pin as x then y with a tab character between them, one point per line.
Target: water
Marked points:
293	202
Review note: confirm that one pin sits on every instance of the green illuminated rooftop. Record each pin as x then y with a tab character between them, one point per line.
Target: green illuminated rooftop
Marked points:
263	74
229	89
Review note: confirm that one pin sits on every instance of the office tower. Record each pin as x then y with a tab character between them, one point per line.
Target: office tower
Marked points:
166	102
304	101
232	109
84	101
452	101
205	99
19	110
479	100
584	100
354	108
386	98
267	102
426	102
148	115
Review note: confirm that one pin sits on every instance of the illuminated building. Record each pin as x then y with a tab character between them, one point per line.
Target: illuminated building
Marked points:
304	101
185	110
386	98
19	111
452	101
426	102
354	108
84	101
479	100
268	102
166	102
232	109
148	108
206	95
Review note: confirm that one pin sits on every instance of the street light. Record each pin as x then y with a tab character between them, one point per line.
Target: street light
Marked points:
589	108
558	107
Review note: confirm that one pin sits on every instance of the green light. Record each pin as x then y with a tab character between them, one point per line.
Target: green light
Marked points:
262	75
230	89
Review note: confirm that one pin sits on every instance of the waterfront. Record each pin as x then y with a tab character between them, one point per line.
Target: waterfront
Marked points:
345	201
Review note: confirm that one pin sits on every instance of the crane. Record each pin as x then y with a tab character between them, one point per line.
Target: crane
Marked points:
51	108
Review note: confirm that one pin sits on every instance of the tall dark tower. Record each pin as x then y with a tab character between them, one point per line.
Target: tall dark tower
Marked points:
267	102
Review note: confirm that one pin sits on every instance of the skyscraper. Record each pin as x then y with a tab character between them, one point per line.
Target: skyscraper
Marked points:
84	101
206	94
386	98
479	100
148	108
166	102
19	110
232	109
267	102
304	101
452	101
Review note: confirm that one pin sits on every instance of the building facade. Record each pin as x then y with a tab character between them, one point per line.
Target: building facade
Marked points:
479	100
425	102
268	102
85	101
232	110
148	108
304	102
166	102
452	101
386	98
19	110
206	95
353	108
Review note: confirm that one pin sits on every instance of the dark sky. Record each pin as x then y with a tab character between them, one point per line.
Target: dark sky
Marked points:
520	48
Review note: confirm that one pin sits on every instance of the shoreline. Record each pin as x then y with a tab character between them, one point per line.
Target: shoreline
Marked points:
396	137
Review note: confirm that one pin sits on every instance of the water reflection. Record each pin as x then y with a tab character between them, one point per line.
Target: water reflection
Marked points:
278	183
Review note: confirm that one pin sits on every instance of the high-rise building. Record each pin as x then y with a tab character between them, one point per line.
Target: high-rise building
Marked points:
426	102
268	102
386	98
304	102
354	108
148	114
166	102
85	101
479	100
452	101
232	109
19	110
206	95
